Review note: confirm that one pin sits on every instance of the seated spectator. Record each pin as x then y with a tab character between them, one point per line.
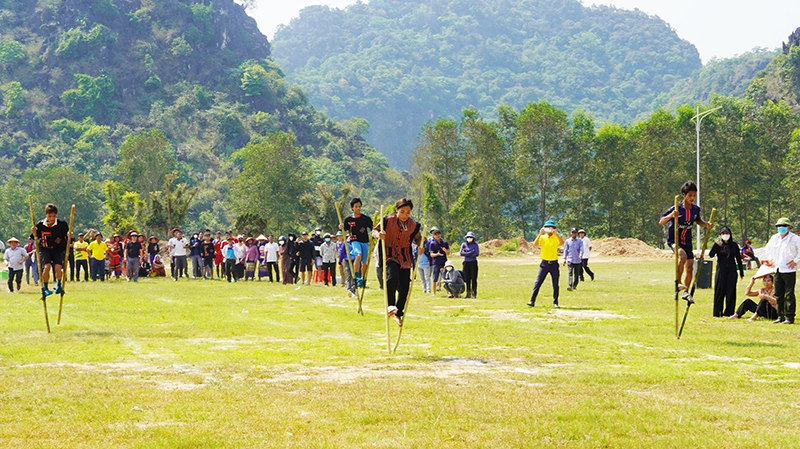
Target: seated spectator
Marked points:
768	306
157	267
452	281
749	255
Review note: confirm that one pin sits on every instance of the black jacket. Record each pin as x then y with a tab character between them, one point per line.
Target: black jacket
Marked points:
728	255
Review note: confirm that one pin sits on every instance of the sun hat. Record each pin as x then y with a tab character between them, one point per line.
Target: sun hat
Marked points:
434	229
281	238
783	221
12	239
261	237
152	237
581	231
549	224
449	263
764	270
338	232
327	235
470	234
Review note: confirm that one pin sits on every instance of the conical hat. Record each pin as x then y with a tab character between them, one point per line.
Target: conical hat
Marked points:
764	270
261	237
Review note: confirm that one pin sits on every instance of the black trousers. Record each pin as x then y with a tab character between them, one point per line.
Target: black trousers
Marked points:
725	291
585	264
763	309
14	275
274	266
230	270
85	265
71	262
575	270
545	268
398	282
329	269
784	293
470	273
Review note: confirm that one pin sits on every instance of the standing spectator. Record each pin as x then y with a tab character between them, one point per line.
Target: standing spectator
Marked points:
347	278
179	248
207	254
250	258
424	267
294	247
587	250
306	250
261	243
358	227
783	253
71	262
439	249
452	281
81	257
133	251
271	258
229	251
15	256
240	250
573	248
317	240
328	252
749	255
549	241
470	251
30	263
115	259
729	260
286	260
377	256
197	261
219	259
153	248
99	251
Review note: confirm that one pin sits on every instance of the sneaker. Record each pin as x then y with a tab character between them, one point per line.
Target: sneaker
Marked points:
47	292
556	306
391	311
59	290
778	321
687	297
531	304
569	289
361	282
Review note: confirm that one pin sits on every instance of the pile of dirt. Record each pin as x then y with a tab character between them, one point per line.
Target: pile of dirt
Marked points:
628	247
610	247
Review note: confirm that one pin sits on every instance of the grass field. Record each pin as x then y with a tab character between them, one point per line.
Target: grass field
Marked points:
207	364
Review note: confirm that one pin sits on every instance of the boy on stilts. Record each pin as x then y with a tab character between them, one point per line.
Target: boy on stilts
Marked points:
688	214
398	231
359	228
52	233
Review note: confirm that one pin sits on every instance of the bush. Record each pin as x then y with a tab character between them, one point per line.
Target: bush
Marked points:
11	52
511	246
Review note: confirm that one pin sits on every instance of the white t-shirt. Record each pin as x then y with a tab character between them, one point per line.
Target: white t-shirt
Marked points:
178	246
271	251
16	258
586	244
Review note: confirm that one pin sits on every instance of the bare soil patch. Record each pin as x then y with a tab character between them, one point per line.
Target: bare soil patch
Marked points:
607	247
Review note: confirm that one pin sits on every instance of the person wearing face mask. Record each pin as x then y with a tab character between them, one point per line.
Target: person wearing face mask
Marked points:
783	253
549	241
286	260
439	249
767	307
328	252
294	270
470	251
452	281
729	260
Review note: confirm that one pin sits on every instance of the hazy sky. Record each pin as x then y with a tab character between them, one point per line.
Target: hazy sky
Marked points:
718	28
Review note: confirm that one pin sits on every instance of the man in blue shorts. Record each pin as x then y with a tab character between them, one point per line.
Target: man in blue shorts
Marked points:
52	233
359	226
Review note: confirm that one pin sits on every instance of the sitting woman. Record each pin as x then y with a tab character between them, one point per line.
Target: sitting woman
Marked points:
452	280
767	307
157	267
749	255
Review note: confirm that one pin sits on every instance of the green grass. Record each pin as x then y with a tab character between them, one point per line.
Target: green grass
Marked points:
207	364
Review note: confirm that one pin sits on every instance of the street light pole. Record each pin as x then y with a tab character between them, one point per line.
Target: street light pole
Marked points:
698	119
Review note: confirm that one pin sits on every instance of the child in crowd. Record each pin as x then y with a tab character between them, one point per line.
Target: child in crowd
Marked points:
15	257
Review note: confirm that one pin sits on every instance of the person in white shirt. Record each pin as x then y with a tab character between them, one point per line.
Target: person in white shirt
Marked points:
271	258
783	253
585	254
15	257
179	248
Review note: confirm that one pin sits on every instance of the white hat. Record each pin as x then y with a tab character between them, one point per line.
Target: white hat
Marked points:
261	237
764	270
449	263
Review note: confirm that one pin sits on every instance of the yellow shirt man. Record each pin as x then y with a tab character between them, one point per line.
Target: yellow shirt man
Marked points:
549	244
80	254
549	241
98	250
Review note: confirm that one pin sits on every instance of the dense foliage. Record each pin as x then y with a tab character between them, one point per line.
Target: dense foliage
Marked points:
541	164
399	63
146	102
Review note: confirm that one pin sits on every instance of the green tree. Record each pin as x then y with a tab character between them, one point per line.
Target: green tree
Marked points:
145	161
15	99
125	209
11	53
94	97
272	180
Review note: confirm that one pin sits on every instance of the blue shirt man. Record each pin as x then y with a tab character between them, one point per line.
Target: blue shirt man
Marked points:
573	248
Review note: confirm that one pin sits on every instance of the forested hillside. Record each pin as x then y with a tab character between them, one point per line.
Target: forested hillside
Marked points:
138	111
400	63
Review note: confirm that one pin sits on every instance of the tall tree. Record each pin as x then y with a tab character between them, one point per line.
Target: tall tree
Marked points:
145	161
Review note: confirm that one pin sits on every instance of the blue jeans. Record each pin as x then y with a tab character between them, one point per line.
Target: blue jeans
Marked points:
99	269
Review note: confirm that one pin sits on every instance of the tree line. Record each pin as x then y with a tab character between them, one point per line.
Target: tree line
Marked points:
504	177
